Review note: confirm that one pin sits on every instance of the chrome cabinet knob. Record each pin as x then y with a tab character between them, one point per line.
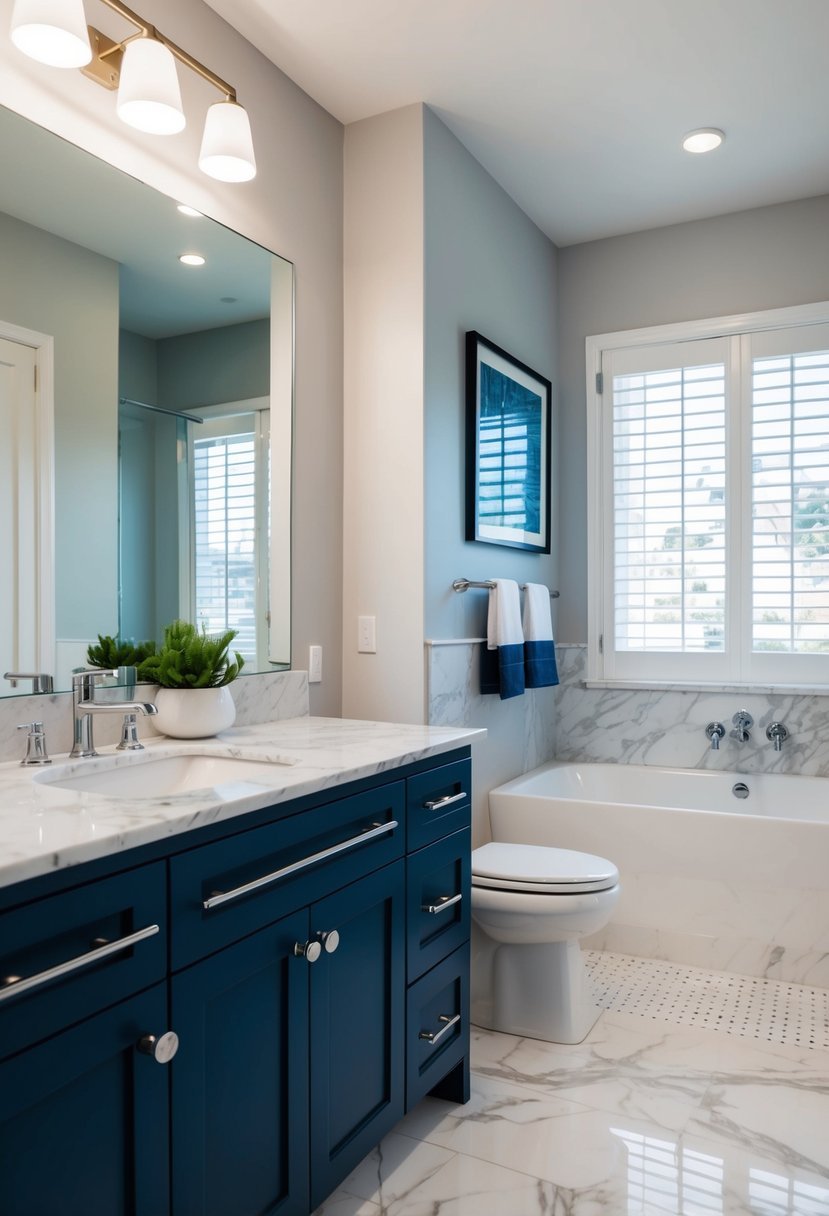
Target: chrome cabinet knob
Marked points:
162	1048
310	951
329	941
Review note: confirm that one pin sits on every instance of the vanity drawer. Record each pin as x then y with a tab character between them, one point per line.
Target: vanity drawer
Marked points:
438	802
437	1024
438	880
79	952
224	891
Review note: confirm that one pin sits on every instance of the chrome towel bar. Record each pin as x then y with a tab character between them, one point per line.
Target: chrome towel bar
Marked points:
463	584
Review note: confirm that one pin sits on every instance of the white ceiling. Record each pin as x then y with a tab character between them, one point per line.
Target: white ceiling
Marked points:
577	107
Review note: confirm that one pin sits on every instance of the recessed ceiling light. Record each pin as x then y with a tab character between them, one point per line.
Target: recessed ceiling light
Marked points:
191	259
191	211
704	139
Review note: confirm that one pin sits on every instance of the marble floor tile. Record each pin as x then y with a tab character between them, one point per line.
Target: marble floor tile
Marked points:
642	1119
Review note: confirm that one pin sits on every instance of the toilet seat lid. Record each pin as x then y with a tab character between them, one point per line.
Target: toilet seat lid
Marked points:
537	868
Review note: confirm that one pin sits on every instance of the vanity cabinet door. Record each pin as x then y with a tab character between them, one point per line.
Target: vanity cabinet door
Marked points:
240	1079
84	1128
357	1024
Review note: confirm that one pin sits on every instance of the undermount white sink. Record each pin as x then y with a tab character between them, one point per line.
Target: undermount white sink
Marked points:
165	776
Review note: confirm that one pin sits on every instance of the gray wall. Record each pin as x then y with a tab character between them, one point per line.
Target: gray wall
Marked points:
55	287
770	257
231	363
488	268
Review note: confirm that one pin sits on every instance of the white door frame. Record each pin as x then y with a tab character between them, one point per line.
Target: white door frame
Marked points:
40	532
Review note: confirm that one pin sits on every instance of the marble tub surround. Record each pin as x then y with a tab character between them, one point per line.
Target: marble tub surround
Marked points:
642	1119
44	827
667	726
263	697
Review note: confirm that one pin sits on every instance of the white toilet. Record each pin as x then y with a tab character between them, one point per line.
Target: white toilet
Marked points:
532	905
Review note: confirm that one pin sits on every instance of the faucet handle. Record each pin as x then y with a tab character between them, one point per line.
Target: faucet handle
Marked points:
715	731
35	744
777	734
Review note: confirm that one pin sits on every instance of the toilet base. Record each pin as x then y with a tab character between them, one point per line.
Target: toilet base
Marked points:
538	991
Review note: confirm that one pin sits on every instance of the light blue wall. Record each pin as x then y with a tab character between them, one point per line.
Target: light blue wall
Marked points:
487	268
770	257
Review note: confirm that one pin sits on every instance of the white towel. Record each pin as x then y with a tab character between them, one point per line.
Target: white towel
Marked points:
503	626
537	619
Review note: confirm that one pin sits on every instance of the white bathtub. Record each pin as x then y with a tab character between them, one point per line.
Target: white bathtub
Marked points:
708	879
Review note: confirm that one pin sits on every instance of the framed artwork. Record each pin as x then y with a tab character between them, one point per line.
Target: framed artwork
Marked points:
508	419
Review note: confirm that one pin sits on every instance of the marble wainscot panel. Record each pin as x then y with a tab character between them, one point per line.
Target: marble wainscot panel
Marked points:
521	731
45	827
265	697
667	726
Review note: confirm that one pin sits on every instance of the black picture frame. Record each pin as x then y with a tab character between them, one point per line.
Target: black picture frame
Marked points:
508	449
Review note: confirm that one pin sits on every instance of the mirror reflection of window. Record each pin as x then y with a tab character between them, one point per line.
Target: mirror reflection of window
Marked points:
229	513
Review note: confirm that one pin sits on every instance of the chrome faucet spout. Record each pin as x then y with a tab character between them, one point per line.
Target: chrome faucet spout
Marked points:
84	707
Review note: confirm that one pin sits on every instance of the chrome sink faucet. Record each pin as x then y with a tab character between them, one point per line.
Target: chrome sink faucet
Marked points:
84	707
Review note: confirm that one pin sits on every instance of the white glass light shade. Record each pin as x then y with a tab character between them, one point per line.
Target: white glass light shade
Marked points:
227	144
149	97
52	32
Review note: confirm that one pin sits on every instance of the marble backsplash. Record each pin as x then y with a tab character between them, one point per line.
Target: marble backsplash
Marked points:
667	727
266	697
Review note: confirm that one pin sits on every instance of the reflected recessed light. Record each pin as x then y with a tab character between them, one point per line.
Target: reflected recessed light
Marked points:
704	139
191	259
191	211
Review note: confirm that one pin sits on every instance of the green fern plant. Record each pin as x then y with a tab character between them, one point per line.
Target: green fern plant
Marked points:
117	652
189	657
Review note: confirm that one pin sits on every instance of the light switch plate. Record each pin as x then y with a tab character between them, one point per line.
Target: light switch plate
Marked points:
366	635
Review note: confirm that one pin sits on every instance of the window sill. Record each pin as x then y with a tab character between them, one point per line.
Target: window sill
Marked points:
789	690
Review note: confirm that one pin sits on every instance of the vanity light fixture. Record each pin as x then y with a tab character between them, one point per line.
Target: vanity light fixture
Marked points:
143	69
191	259
704	139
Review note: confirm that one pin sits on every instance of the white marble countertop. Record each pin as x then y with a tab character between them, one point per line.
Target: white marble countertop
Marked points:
44	828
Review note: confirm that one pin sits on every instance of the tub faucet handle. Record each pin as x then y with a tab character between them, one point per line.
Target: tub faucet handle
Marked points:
777	734
715	731
743	723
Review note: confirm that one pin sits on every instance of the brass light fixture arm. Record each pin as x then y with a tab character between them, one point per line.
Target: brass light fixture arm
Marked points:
105	48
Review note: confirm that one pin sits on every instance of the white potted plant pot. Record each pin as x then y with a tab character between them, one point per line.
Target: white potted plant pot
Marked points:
193	713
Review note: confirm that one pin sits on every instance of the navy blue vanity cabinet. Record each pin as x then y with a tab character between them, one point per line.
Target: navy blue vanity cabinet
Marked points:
240	1079
438	816
357	1024
84	1127
312	959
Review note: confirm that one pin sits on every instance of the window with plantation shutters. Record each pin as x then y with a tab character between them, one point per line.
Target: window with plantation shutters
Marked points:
229	519
709	502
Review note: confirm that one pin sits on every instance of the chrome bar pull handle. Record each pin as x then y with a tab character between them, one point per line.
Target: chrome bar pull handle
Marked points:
14	985
445	901
222	897
433	1037
439	803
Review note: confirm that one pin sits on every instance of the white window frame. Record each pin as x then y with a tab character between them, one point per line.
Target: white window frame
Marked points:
600	665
